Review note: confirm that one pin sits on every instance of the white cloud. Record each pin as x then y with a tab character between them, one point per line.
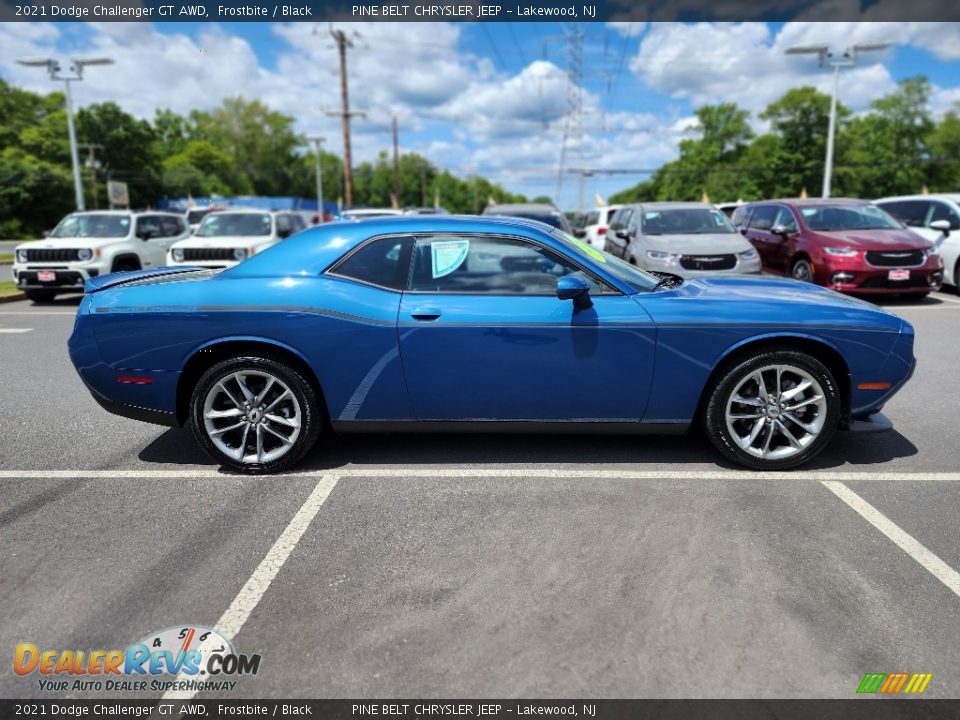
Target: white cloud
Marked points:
628	29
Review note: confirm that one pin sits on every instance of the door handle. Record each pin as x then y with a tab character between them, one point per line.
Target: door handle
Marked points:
425	313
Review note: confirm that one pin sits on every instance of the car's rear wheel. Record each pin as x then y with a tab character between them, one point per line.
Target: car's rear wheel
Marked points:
255	414
40	296
802	270
774	410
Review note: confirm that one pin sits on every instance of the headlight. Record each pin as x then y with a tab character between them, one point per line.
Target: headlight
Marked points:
84	254
240	253
177	254
750	254
21	256
841	251
662	256
933	251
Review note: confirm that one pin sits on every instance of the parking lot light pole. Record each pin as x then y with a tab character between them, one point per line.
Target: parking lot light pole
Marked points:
318	141
76	67
848	58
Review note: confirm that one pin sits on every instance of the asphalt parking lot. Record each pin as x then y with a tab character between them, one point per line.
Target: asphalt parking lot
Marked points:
469	566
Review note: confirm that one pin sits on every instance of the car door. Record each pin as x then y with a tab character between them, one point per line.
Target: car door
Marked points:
758	233
617	236
172	229
152	246
484	337
783	243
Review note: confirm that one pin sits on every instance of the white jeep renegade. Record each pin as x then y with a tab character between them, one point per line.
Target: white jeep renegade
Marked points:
98	242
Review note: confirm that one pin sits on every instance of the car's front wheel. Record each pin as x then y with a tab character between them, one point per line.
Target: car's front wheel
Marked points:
774	410
802	270
255	414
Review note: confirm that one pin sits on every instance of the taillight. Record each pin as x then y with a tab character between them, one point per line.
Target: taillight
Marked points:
601	231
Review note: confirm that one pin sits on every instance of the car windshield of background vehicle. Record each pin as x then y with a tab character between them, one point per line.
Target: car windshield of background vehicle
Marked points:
93	225
553	219
688	221
226	224
630	274
848	217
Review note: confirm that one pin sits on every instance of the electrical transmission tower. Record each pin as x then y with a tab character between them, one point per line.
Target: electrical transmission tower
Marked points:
573	124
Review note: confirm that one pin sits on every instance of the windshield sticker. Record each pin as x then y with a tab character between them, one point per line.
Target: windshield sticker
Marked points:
592	252
448	256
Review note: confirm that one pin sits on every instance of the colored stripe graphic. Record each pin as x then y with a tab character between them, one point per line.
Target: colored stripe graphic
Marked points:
894	683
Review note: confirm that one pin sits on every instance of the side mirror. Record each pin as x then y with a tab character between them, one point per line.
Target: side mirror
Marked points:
941	225
574	288
580	233
743	231
622	233
780	230
147	234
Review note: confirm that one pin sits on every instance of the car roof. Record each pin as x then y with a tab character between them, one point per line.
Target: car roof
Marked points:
675	205
954	197
121	213
508	208
812	202
313	250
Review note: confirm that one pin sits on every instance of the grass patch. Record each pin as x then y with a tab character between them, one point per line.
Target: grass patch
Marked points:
6	258
8	287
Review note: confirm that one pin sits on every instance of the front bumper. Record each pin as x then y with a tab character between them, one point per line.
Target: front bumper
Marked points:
742	267
859	278
67	277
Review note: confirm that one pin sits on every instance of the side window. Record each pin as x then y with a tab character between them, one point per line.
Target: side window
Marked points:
942	211
170	226
148	226
786	219
283	226
297	223
762	218
384	262
740	215
489	265
912	213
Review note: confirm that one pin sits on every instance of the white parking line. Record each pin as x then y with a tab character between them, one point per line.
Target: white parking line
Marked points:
252	592
906	542
37	312
512	472
14	331
947	298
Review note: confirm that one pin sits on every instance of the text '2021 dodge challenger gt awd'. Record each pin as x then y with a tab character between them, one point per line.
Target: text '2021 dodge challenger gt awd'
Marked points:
448	323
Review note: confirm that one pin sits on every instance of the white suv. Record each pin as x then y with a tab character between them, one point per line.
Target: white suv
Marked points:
935	217
88	244
227	237
598	222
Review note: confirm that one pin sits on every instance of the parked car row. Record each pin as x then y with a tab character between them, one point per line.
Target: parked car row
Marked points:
903	245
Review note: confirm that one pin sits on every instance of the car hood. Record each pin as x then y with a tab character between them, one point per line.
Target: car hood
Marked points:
70	243
222	241
765	301
875	239
709	244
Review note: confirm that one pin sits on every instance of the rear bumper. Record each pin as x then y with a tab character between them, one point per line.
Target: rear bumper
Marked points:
154	417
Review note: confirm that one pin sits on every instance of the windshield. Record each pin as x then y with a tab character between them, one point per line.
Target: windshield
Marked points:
554	219
195	216
847	217
630	274
92	225
224	224
686	221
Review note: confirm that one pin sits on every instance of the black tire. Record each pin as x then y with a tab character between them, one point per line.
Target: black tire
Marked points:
306	397
124	267
741	368
802	270
40	296
956	277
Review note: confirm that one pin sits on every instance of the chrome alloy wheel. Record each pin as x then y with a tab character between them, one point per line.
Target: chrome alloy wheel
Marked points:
776	412
252	416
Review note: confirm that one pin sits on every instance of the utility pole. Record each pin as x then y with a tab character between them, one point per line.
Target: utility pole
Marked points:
343	42
318	141
826	57
76	67
573	124
396	165
93	164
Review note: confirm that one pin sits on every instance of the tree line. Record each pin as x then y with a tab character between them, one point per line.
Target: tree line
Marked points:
241	147
895	148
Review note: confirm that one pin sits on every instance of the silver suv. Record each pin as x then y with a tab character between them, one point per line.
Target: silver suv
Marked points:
88	244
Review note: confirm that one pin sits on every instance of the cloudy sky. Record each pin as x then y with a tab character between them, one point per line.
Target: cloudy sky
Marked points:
487	98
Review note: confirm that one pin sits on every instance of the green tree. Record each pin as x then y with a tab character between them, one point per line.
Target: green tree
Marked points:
34	193
944	144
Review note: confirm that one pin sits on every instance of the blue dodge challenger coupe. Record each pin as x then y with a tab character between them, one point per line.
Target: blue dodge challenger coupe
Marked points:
448	323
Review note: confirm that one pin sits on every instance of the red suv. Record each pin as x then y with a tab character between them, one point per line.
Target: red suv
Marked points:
847	245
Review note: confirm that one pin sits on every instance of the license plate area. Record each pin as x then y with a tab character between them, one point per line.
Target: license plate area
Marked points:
898	275
46	276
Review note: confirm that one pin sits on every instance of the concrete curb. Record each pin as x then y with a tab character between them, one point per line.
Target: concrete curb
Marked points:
13	297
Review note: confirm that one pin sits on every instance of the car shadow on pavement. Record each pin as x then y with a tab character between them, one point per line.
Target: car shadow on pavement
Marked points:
177	447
